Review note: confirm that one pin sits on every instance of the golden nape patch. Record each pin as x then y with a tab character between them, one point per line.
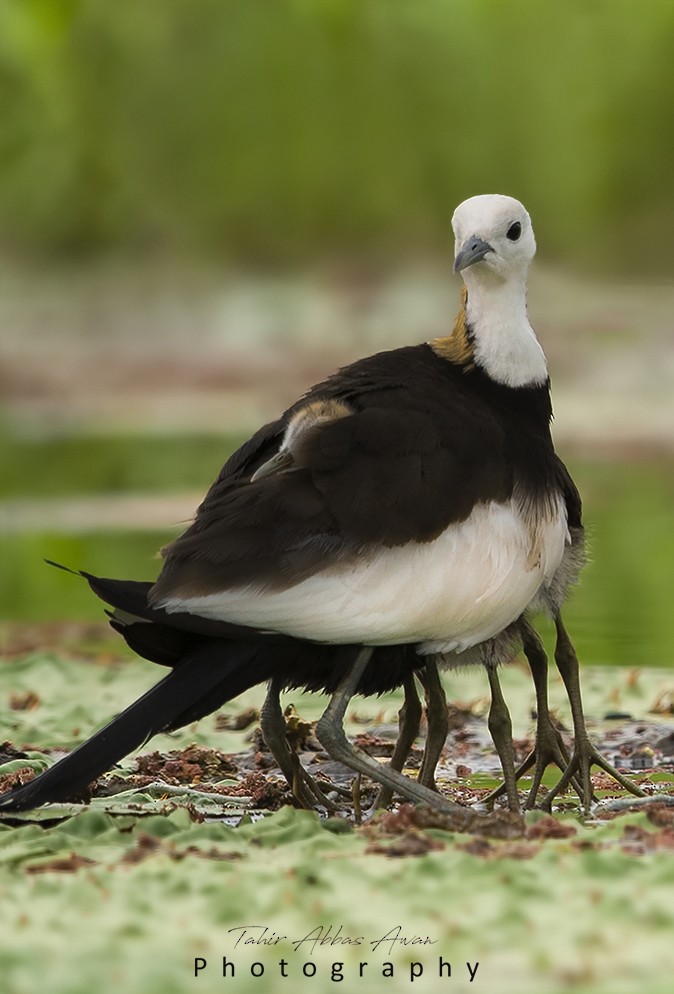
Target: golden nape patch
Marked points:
457	347
317	412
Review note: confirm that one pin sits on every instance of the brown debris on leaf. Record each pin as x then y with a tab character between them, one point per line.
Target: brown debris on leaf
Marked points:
407	827
145	845
478	846
551	828
16	779
602	781
220	855
374	745
62	864
401	820
660	815
504	850
398	834
195	764
26	700
411	843
639	841
263	759
263	793
500	824
112	783
495	824
150	845
8	752
236	722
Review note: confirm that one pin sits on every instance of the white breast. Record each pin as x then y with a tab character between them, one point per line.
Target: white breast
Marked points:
460	589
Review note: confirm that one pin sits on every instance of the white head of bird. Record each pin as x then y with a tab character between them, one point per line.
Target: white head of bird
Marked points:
494	247
496	231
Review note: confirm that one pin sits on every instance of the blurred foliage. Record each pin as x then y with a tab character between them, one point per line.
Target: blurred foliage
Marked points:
32	591
270	130
622	607
77	464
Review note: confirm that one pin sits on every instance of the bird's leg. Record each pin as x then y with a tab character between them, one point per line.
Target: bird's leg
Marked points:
272	721
501	729
585	755
409	719
549	747
330	732
437	722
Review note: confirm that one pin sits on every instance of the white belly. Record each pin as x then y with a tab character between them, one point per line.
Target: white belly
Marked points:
460	589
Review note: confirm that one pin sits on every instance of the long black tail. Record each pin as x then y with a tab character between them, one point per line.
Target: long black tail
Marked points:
214	673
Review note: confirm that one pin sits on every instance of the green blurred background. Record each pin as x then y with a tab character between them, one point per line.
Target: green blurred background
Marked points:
273	130
205	206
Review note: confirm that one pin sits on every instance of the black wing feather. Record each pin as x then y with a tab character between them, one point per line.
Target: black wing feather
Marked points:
419	451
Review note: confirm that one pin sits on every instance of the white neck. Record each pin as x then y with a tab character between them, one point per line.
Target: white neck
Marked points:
505	345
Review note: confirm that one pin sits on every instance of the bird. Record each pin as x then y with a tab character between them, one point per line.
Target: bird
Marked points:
493	334
410	508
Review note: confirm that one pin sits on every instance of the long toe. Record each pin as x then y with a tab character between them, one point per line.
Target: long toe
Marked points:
585	756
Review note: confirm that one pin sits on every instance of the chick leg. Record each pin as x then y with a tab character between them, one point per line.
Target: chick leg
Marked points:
272	721
501	729
549	746
437	722
409	719
585	755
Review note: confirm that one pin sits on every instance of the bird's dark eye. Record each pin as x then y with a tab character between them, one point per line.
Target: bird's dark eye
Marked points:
514	231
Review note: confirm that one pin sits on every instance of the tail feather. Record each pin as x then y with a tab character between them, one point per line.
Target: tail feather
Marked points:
214	674
157	643
130	597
